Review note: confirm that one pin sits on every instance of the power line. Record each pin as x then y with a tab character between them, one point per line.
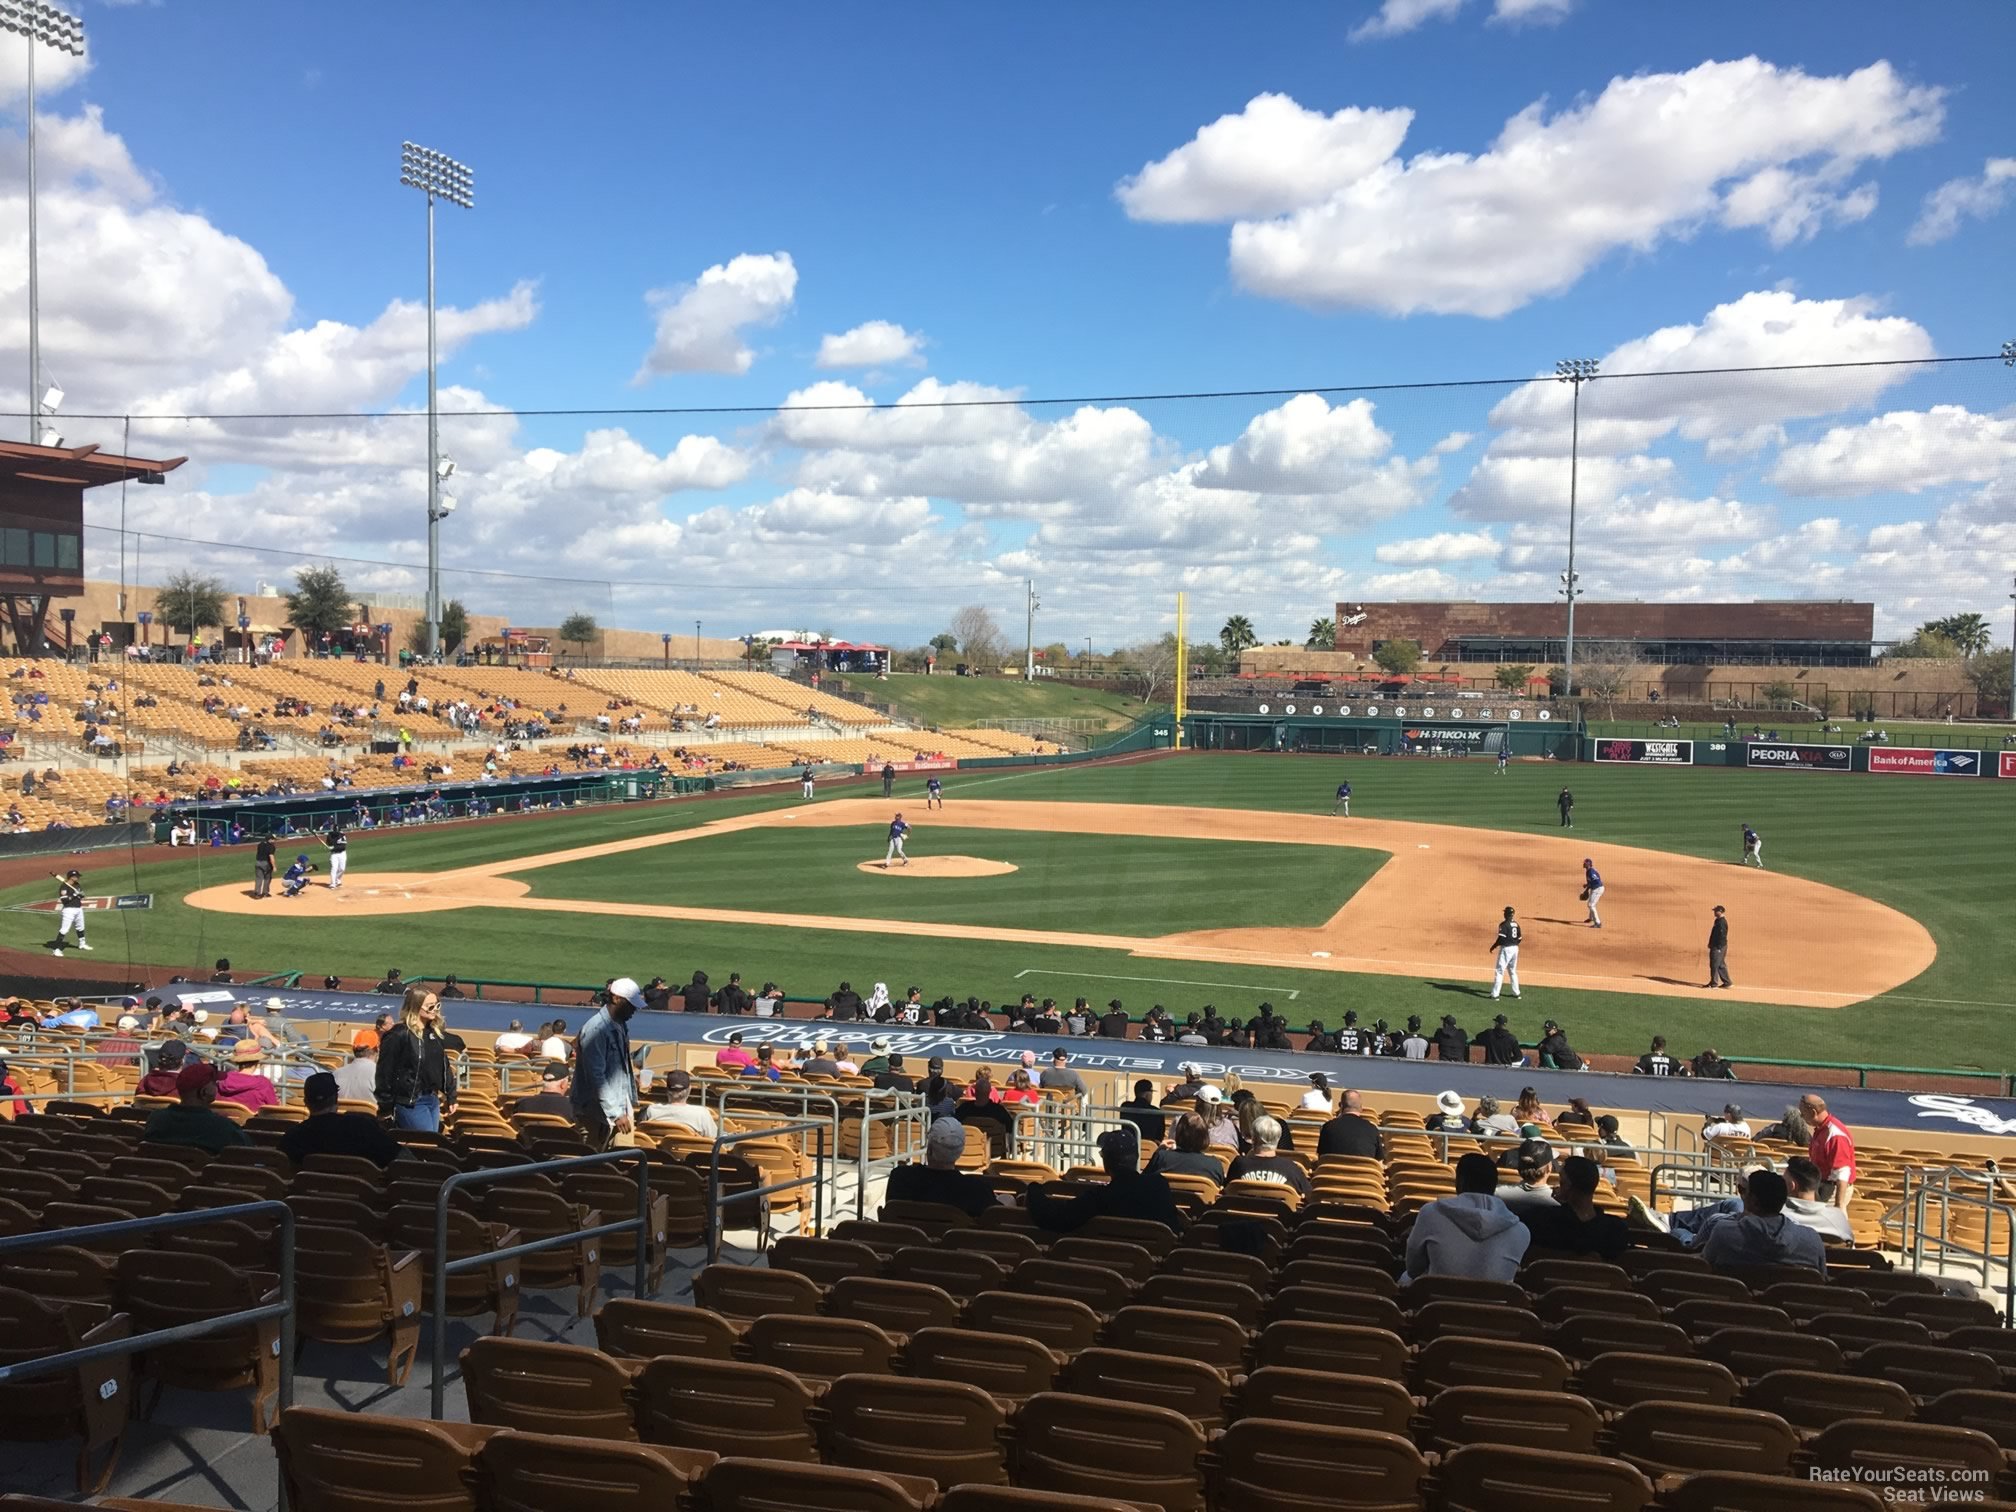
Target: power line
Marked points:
872	406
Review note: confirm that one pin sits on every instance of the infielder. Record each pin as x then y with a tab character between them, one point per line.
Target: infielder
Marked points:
898	833
1753	847
805	783
1343	803
1506	947
70	899
934	793
1592	891
339	854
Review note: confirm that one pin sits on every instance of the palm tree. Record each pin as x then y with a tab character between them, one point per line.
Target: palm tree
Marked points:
1322	634
1237	635
1967	631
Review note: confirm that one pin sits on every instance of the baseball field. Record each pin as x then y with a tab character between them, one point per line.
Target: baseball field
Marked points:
1880	931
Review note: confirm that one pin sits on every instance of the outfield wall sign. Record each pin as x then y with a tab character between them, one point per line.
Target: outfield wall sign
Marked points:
1390	711
2005	764
923	764
1803	758
1457	735
1648	752
1923	762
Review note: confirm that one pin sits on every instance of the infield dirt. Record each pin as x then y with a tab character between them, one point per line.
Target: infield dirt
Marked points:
1429	911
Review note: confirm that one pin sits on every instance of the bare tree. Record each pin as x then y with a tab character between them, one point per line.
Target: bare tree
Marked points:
981	643
1150	668
1605	669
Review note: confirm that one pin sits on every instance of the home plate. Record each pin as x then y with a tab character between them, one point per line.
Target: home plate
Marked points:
1321	955
1422	846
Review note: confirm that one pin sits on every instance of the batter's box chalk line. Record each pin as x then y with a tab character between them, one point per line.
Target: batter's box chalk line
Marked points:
1321	955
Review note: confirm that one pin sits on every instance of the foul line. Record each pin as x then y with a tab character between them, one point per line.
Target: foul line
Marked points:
1086	976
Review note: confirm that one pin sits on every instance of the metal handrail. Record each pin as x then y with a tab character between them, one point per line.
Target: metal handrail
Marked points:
444	1268
804	1096
1937	1186
202	1328
816	1180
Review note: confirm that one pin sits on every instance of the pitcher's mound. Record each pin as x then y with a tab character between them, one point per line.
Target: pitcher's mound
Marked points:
941	866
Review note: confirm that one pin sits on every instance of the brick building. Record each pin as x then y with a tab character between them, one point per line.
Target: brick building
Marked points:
1809	632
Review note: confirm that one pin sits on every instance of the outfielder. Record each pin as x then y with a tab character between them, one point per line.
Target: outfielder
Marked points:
1592	891
70	899
1504	756
1506	946
934	793
1753	847
899	831
339	853
1343	803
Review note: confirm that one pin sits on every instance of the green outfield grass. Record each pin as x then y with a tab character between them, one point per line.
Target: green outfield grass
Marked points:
1935	849
952	702
1089	884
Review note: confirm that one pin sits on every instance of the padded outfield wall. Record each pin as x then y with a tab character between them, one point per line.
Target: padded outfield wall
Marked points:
1875	759
1440	729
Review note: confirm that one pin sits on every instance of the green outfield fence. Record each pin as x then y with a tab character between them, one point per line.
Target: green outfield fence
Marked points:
1457	734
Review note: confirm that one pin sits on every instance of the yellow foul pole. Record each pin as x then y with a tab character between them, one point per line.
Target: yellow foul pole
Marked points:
1182	665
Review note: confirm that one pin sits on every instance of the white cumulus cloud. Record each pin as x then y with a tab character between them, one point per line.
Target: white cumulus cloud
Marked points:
1964	199
1443	546
874	343
701	325
1484	233
1904	451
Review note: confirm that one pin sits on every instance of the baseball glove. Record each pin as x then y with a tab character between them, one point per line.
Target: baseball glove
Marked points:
1584	895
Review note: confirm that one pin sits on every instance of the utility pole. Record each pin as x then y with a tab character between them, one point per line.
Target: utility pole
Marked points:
1575	371
1032	604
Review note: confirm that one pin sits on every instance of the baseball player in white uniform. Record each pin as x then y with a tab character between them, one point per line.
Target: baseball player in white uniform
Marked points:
339	853
70	899
899	831
1506	950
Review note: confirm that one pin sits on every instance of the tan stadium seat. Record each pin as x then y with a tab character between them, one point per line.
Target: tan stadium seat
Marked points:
353	1462
1005	1499
1190	1387
491	1288
1584	1336
949	1432
1553	1420
819	1349
899	1307
1423	1290
748	1485
759	1410
1855	1332
824	1261
1679	1438
934	1218
350	1289
1263	1465
641	1329
1007	1247
1175	1333
1927	1370
540	1387
1942	1314
1317	1396
1476	1320
539	1212
1869	1452
963	1273
1752	1352
63	1273
1815	1400
1084	1446
1007	1367
1702	1316
91	1403
1104	1291
1219	1265
883	1238
1337	1347
1062	1325
1330	1304
1502	1478
161	1290
544	1472
1461	1360
747	1291
1619	1380
1728	1491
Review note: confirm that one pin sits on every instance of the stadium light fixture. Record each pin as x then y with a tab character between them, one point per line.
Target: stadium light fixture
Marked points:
38	22
437	176
1574	371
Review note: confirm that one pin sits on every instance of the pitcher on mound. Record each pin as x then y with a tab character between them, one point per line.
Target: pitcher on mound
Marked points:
899	831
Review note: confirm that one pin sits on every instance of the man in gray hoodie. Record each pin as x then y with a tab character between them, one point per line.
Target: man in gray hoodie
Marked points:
1763	1233
1470	1234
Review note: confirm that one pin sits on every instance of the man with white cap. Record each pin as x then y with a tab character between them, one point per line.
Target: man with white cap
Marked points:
1449	1114
604	1092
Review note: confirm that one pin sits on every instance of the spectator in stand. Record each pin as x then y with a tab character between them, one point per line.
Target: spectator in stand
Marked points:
604	1089
1528	1110
1265	1162
513	1040
764	1067
1607	1135
553	1041
357	1078
1803	1205
1128	1191
732	1057
1493	1119
1712	1066
1020	1089
120	1048
1792	1129
1352	1133
1058	1076
160	1082
1472	1233
325	1131
942	1096
820	1062
893	1078
1142	1111
670	1105
1187	1090
414	1080
1449	1115
1728	1124
243	1083
1184	1150
13	1096
1576	1116
1533	1160
1317	1098
939	1178
1832	1150
1763	1233
1572	1226
193	1121
1221	1120
551	1098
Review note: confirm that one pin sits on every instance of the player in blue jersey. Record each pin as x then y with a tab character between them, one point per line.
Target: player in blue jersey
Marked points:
1592	891
1343	803
1753	847
899	831
934	792
1504	756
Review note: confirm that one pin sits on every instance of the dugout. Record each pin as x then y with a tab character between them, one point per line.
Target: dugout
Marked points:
1438	732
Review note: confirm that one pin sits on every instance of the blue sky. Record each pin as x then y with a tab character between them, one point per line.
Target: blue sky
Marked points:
958	172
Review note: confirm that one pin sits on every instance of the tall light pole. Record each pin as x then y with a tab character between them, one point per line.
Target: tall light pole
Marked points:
696	643
38	22
1574	371
1031	604
438	177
